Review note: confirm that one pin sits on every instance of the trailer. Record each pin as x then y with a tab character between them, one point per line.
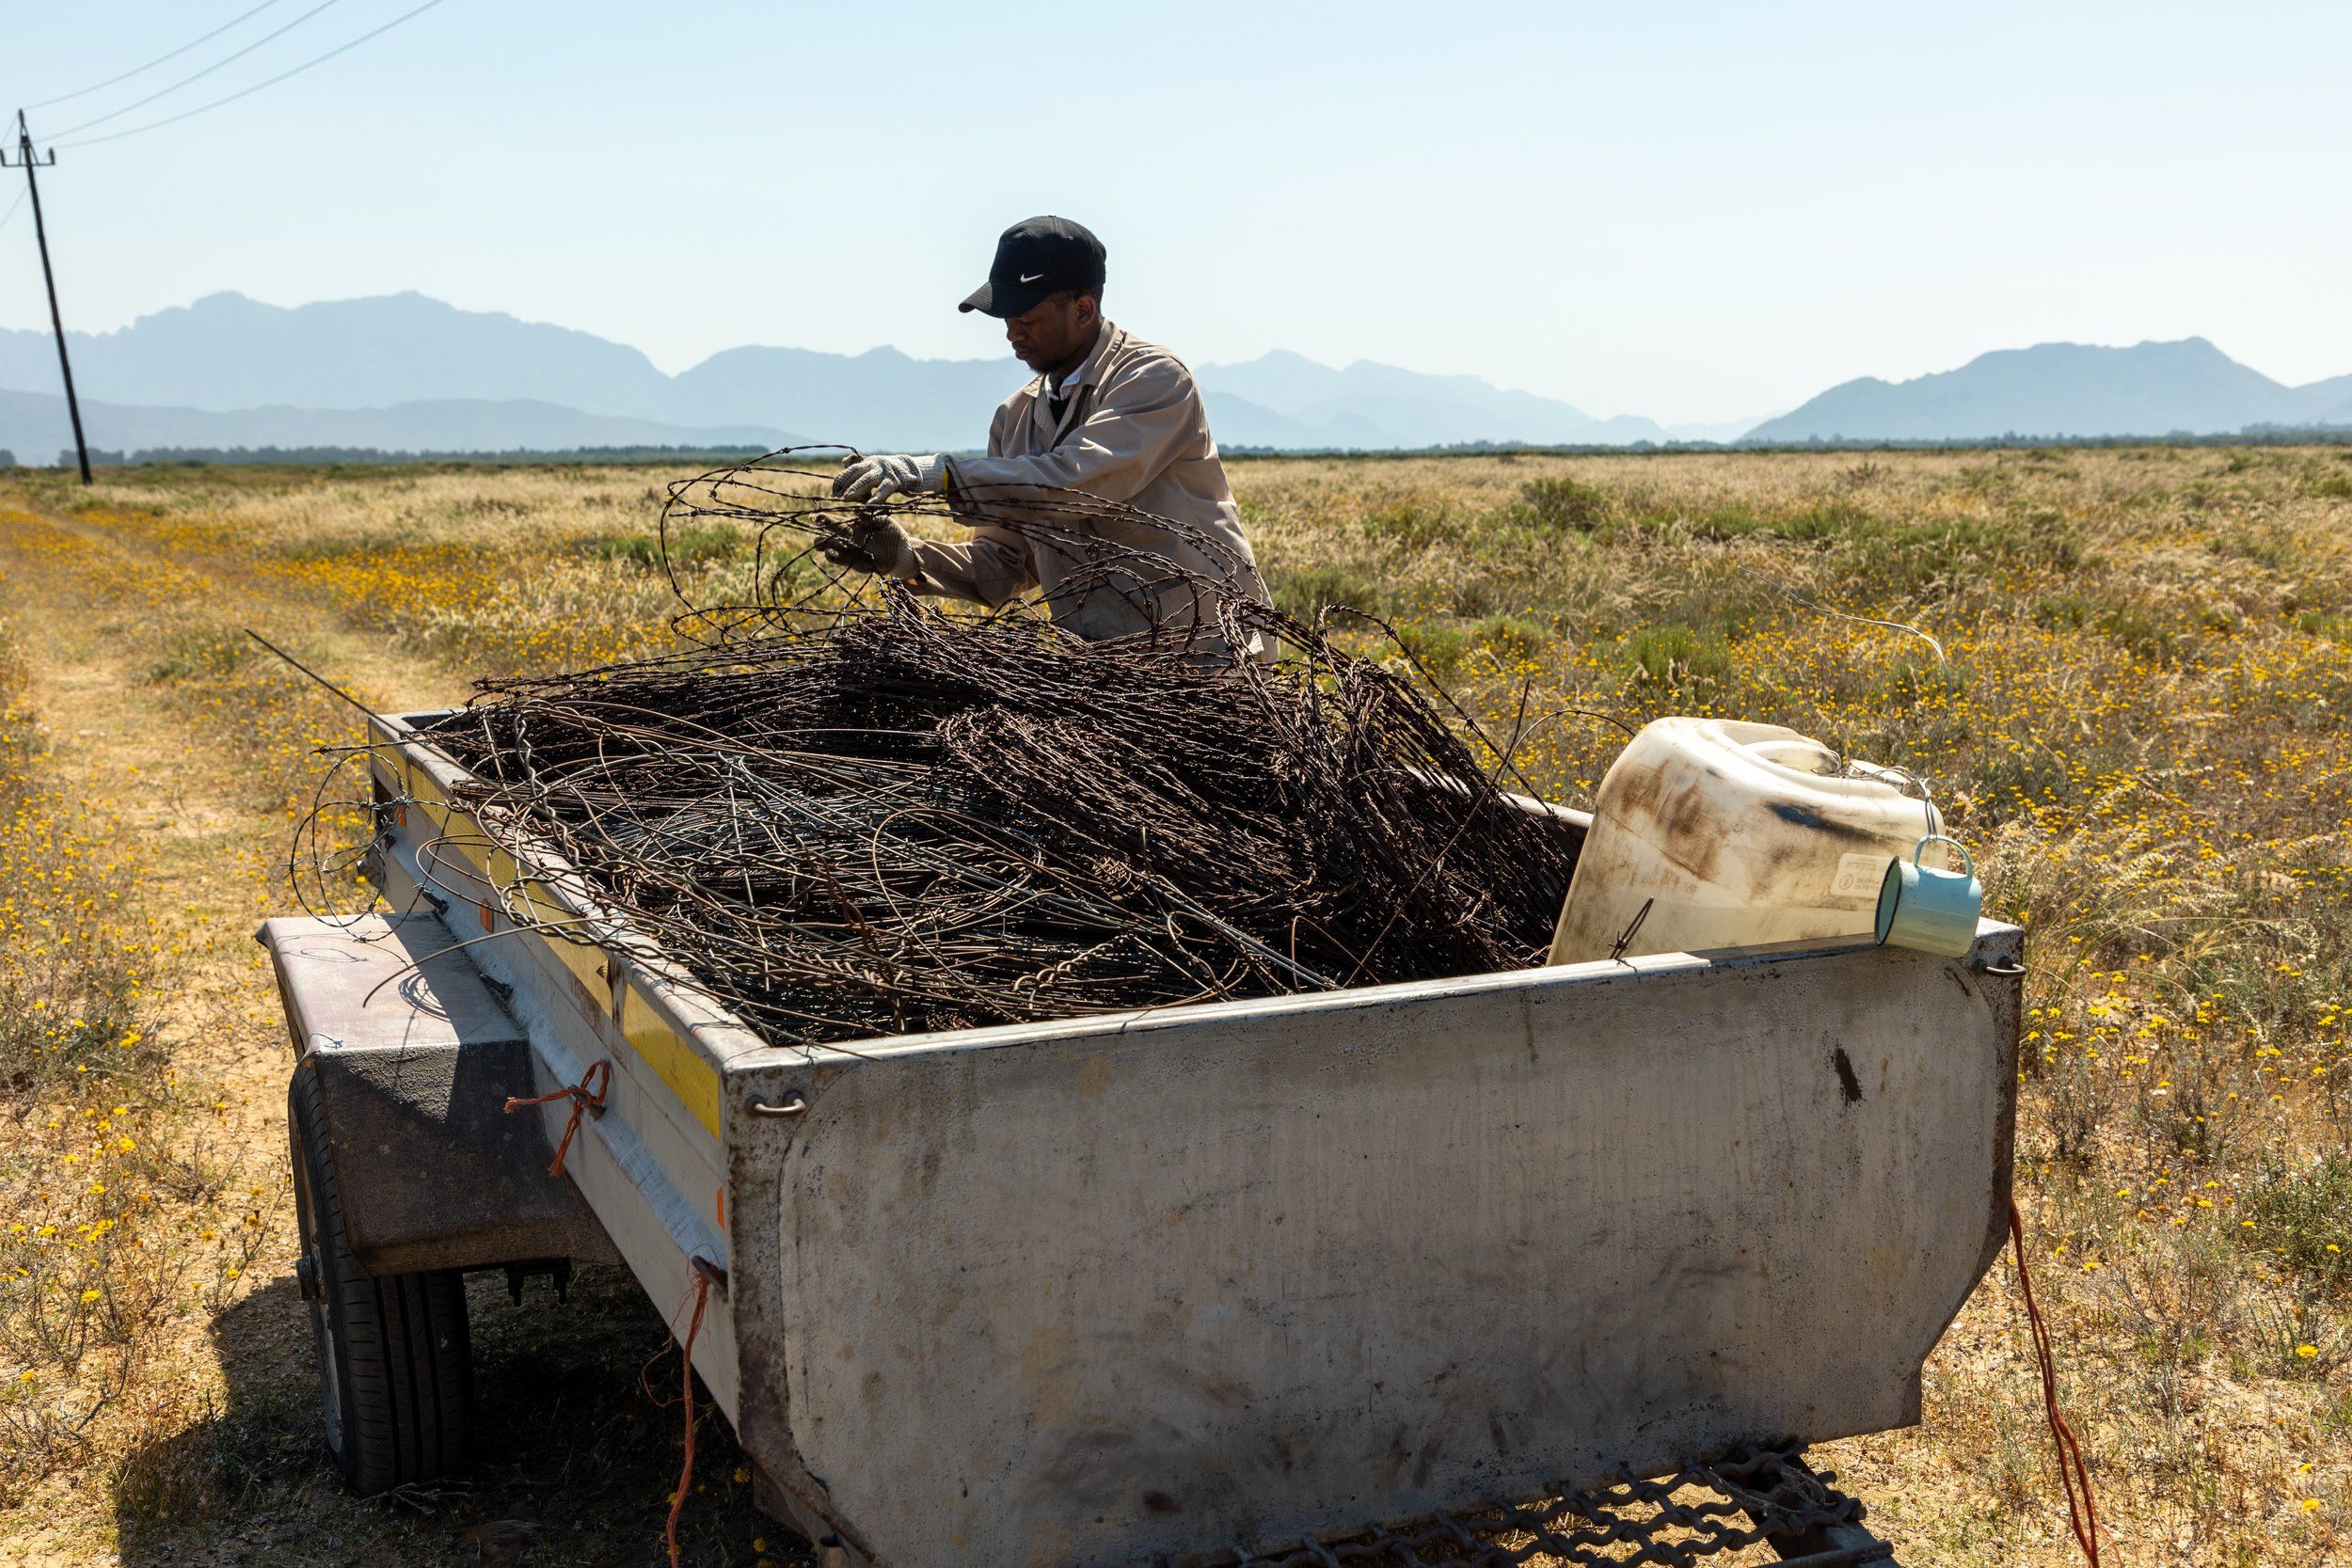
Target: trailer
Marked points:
1451	1267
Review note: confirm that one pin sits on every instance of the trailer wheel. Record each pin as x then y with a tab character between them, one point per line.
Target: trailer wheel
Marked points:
395	1362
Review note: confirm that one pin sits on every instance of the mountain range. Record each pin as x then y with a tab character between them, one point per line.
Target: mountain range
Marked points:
325	370
2187	386
406	372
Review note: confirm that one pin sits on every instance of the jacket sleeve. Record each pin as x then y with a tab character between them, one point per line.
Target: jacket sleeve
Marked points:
990	568
1145	417
993	567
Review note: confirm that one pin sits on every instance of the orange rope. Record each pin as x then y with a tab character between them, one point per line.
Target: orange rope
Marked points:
2074	1470
582	1098
686	1359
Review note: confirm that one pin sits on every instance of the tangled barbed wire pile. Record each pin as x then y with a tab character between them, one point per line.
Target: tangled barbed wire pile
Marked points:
886	817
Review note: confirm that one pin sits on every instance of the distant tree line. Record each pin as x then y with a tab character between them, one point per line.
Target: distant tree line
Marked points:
316	457
2259	435
2253	435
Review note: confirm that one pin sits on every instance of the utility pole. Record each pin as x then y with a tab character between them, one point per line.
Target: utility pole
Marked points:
73	405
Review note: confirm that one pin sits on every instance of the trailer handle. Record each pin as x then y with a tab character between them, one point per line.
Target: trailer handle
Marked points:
793	1105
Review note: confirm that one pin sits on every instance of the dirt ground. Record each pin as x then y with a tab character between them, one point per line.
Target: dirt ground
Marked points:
220	1462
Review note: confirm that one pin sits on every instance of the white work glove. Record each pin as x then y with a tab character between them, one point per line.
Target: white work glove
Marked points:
876	544
873	479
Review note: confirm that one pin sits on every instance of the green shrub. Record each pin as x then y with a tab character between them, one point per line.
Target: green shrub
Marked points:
1840	521
1303	593
2038	537
1514	637
2066	611
688	547
214	654
1560	505
1676	655
1434	644
2223	620
2276	553
2142	631
1915	678
1410	523
2302	1215
491	506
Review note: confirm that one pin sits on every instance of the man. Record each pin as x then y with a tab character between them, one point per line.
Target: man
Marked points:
1109	417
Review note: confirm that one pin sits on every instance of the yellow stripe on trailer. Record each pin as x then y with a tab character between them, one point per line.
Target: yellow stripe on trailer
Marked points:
674	1062
657	1044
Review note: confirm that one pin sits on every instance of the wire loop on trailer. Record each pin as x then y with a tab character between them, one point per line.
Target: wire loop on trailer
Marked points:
585	1099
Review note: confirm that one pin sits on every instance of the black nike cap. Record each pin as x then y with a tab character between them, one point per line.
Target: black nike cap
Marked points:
1035	258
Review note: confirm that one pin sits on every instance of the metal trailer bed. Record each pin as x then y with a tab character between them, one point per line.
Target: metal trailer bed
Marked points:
1201	1285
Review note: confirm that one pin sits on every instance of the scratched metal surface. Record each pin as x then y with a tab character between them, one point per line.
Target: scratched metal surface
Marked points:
1250	1274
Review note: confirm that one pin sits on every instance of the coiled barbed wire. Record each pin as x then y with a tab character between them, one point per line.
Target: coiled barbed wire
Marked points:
872	815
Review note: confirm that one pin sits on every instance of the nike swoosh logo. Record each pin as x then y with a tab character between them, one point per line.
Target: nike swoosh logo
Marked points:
1031	276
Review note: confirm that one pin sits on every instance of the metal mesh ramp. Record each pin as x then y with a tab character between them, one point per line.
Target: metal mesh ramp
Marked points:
1764	1502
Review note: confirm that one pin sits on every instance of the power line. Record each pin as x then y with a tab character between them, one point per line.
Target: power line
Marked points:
9	216
217	103
85	92
197	76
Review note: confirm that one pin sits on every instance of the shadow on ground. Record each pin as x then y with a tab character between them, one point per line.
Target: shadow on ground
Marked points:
577	1451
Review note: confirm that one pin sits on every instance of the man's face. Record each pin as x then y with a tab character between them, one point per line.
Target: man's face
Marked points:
1047	334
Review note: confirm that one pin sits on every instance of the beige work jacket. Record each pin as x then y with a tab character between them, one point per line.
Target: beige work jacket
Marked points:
1134	431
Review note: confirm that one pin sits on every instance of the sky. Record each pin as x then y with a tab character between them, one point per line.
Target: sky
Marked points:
1682	210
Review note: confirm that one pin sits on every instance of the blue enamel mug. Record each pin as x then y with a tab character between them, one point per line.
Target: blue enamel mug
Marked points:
1931	910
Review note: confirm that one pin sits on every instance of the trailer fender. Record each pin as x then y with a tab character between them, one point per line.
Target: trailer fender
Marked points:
414	1057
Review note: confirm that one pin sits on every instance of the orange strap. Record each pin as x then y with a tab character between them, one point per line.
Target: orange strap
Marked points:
686	1360
582	1098
2074	1470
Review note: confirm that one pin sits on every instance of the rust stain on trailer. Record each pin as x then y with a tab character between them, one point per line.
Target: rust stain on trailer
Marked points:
1848	1084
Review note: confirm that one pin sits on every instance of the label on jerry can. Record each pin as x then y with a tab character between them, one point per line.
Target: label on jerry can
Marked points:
1858	875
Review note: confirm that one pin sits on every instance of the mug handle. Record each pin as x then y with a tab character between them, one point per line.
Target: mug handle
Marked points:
1967	861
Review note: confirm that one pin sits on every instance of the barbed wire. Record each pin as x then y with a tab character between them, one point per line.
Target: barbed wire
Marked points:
851	813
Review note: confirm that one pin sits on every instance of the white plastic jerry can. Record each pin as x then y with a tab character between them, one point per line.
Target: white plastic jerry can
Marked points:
1734	835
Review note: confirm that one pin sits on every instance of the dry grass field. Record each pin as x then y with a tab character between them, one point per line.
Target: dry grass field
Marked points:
2138	721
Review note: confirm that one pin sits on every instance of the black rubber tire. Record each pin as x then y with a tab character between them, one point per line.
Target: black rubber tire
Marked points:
395	1361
